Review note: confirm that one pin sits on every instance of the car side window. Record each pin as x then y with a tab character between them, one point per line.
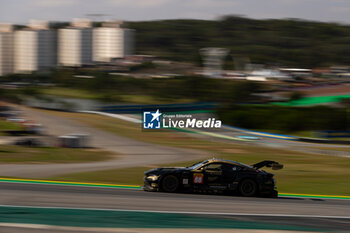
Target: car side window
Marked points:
230	168
213	167
236	168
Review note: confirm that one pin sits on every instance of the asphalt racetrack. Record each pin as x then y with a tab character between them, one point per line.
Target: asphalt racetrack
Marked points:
306	212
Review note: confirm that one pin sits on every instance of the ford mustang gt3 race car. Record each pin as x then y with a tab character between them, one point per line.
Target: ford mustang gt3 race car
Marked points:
215	176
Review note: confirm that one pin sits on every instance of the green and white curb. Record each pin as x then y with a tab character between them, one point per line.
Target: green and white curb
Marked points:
113	218
137	187
313	196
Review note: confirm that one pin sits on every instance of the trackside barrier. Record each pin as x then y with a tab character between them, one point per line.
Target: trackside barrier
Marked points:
288	137
129	109
263	134
324	141
333	133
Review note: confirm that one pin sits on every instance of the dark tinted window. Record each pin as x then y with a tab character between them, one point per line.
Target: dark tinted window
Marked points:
230	168
213	167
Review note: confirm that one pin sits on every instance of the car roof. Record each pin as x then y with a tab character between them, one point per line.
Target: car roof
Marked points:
213	160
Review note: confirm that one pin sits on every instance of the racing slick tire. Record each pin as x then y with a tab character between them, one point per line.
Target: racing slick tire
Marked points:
248	188
274	194
170	184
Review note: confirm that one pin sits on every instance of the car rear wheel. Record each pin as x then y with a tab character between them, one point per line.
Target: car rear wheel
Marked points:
170	184
248	188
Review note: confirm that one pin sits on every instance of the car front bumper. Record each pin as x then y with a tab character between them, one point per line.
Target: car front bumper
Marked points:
150	185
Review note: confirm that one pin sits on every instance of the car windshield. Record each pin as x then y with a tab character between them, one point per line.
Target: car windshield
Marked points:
197	165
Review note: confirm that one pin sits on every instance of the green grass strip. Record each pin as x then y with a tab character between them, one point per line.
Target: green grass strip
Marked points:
313	196
314	100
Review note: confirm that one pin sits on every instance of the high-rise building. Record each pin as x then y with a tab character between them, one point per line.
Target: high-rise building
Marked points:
35	48
75	44
6	49
112	41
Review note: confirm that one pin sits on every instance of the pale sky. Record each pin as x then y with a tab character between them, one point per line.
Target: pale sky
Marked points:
21	11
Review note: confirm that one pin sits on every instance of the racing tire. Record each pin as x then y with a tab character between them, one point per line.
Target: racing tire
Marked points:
248	188
274	194
170	184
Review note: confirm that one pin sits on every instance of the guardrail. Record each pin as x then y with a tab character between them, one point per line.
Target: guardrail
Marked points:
263	134
324	141
131	109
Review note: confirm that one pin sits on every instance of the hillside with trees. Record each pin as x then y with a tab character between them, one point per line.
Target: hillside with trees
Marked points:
289	42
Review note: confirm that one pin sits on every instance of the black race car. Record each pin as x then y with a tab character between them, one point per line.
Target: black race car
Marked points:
215	176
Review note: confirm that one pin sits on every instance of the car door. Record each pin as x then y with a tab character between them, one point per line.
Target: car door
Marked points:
212	176
207	175
229	175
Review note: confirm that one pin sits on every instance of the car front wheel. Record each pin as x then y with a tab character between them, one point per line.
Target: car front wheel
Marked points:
170	184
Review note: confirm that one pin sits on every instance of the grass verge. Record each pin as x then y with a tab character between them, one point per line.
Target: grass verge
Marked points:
108	96
19	154
5	125
69	93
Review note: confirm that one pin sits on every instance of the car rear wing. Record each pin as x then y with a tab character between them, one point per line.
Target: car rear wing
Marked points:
268	163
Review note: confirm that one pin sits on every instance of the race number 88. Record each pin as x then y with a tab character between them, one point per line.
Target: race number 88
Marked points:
198	178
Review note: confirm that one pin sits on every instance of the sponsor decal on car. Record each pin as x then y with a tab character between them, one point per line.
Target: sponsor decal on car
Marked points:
198	178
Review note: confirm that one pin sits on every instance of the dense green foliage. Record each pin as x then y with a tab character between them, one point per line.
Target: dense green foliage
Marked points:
286	42
9	95
287	119
110	87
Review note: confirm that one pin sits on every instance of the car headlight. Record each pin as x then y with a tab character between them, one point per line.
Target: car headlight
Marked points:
152	177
